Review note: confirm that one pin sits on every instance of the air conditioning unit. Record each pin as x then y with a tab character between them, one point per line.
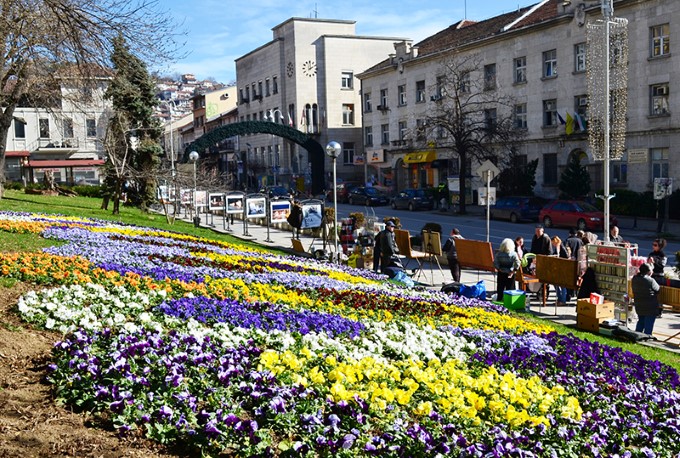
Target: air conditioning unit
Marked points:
436	98
662	90
582	101
382	108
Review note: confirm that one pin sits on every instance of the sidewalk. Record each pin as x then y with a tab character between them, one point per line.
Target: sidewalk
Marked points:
666	329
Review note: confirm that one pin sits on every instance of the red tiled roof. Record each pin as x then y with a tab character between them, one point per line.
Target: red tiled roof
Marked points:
67	163
17	153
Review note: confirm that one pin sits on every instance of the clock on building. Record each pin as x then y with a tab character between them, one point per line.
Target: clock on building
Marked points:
309	68
290	69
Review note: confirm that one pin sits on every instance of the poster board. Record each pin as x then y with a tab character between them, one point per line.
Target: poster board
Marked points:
280	210
312	215
432	243
216	202
185	196
163	194
475	254
234	204
256	207
557	271
201	199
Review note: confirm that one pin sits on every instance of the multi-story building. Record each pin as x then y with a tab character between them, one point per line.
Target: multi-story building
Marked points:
538	56
305	77
64	140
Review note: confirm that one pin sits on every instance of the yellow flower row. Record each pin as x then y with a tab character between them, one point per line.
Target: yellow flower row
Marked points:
421	388
22	227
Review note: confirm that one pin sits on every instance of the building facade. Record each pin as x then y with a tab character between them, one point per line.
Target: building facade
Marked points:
537	56
305	78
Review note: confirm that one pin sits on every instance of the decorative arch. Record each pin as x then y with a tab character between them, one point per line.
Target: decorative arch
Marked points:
315	151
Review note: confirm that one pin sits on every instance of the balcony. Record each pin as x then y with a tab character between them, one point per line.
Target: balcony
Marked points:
59	146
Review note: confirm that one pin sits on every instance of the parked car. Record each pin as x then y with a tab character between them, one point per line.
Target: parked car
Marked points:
413	199
277	192
343	190
517	208
362	195
573	213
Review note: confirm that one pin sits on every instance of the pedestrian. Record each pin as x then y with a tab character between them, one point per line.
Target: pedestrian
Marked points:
560	251
647	307
657	258
388	245
506	263
614	235
575	250
519	246
376	252
452	255
540	244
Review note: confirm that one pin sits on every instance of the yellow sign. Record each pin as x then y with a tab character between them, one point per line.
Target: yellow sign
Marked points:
419	157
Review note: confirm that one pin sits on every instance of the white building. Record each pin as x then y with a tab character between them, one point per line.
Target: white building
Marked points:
305	77
538	56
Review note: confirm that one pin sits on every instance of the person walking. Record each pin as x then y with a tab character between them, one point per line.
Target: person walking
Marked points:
506	263
388	245
657	258
561	252
540	244
452	255
647	307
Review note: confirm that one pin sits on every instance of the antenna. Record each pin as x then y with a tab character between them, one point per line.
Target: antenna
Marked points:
465	9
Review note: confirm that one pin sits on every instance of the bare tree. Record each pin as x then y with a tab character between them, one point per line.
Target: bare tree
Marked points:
470	116
46	41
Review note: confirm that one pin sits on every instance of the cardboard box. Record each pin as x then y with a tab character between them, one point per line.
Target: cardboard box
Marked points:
514	299
596	298
584	307
588	323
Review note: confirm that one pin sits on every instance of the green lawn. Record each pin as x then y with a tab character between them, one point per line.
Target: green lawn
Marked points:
89	207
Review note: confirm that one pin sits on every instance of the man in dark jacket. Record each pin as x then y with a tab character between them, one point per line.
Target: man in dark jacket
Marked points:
540	244
388	245
449	249
647	307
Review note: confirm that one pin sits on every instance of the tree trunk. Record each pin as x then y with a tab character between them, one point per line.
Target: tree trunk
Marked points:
105	203
463	184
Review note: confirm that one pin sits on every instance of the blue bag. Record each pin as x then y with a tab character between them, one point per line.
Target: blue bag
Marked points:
476	291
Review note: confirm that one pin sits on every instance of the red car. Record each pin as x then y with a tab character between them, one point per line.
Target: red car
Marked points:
573	213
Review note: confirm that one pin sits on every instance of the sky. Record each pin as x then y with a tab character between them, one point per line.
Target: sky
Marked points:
219	31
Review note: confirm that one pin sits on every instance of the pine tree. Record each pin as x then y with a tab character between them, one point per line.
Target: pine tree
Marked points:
132	92
575	180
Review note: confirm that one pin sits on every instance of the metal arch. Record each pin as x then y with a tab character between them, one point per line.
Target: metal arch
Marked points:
315	151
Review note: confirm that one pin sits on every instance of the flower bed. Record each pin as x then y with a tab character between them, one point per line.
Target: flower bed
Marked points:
233	351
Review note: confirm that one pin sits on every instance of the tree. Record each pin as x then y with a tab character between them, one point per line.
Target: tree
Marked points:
46	41
132	91
470	116
575	180
518	179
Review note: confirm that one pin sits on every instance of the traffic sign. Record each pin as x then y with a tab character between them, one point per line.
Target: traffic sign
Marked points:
488	167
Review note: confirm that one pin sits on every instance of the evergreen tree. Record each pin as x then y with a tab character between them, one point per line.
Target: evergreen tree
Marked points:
132	92
518	180
574	181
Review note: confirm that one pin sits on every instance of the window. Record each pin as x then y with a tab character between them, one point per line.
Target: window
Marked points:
91	127
489	77
660	37
421	133
439	90
580	57
520	68
44	127
383	99
68	128
550	169
247	94
368	106
420	91
464	83
347	80
368	130
259	89
348	114
291	114
348	153
659	162
275	85
402	130
550	64
490	118
521	116
401	95
659	99
549	113
385	134
19	129
581	110
620	172
267	91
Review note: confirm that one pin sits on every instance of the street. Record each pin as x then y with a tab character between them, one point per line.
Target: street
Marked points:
473	226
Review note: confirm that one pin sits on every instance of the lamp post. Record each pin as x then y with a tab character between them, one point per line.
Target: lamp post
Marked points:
333	150
193	157
275	163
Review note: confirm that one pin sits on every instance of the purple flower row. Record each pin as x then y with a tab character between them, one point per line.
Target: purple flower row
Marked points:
260	315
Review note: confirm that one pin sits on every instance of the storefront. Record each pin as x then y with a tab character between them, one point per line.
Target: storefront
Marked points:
419	165
66	171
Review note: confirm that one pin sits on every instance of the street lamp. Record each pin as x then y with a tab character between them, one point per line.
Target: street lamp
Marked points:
275	163
193	157
333	150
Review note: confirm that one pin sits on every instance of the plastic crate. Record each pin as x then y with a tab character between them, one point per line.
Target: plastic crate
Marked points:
514	299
